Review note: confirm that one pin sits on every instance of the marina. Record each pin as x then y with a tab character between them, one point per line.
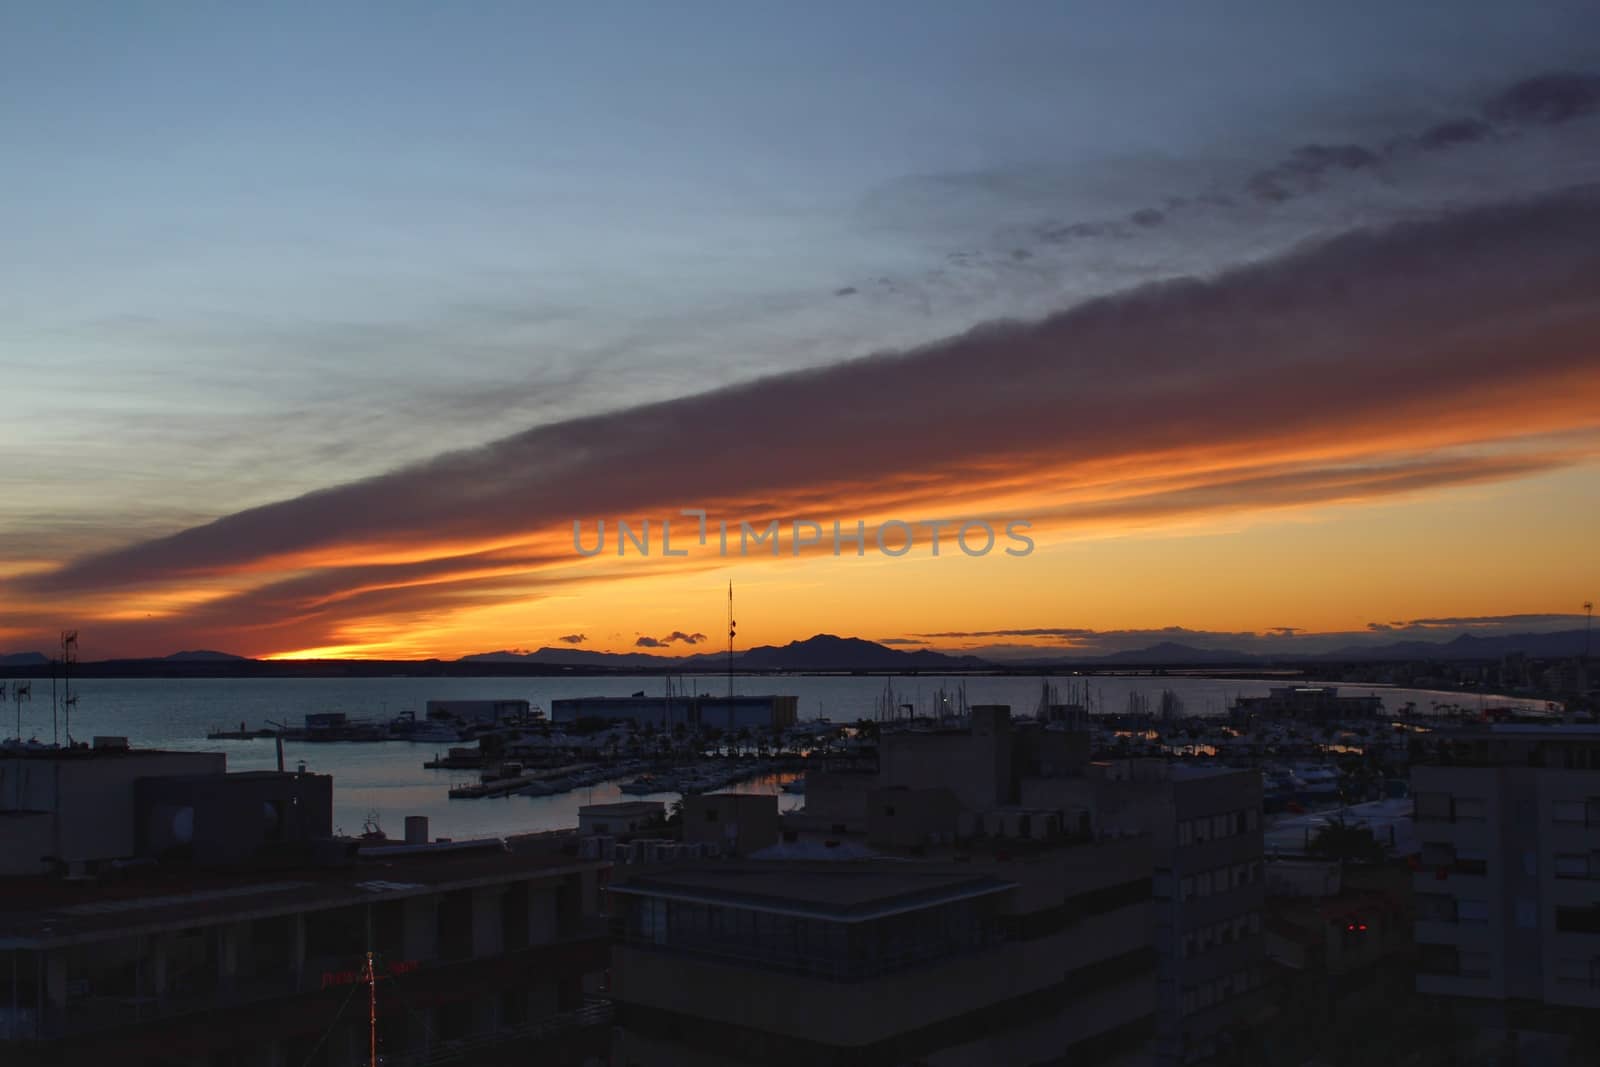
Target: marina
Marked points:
391	779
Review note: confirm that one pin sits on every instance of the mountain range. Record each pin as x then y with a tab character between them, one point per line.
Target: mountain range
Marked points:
828	652
824	652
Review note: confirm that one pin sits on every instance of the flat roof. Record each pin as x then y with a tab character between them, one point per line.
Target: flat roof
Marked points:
48	752
41	912
840	893
675	699
1191	771
1536	729
1390	821
623	807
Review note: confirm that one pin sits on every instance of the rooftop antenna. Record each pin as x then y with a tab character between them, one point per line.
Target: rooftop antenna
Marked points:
69	656
372	1013
730	640
1588	624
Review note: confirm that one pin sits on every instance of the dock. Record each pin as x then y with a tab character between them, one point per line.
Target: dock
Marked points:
241	734
499	787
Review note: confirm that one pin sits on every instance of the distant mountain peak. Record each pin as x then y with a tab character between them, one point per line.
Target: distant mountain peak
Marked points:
817	652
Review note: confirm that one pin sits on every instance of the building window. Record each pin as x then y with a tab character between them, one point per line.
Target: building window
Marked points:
1438	854
1436	907
1185	832
1472	911
1568	811
1578	920
1441	960
1433	807
1577	971
1470	809
1572	865
1474	964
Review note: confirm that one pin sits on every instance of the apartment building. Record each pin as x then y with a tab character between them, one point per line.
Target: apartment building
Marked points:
161	911
988	791
1016	952
1205	827
1508	885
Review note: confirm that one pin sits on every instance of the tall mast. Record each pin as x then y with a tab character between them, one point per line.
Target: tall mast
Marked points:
69	652
730	641
19	693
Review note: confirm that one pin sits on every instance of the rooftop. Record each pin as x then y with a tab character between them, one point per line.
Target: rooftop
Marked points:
39	912
624	808
741	698
84	752
1390	821
843	893
1588	730
1188	771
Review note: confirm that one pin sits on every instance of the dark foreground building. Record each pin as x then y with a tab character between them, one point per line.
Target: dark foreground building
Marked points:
212	919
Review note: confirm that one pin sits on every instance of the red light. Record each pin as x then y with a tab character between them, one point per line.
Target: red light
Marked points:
1363	927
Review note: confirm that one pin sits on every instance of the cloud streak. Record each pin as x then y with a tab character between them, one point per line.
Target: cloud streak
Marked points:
1381	363
1278	640
1068	249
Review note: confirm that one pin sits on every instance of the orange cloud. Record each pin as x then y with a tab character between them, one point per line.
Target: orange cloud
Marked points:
1377	366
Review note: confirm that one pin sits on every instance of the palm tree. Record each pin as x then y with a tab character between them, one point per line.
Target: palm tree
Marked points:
1347	842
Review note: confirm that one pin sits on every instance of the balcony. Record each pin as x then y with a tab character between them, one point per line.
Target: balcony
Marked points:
321	982
596	1014
827	968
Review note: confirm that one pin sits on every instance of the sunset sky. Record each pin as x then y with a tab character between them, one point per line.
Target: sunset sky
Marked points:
320	325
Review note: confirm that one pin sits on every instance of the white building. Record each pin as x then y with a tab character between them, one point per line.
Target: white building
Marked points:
1508	886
